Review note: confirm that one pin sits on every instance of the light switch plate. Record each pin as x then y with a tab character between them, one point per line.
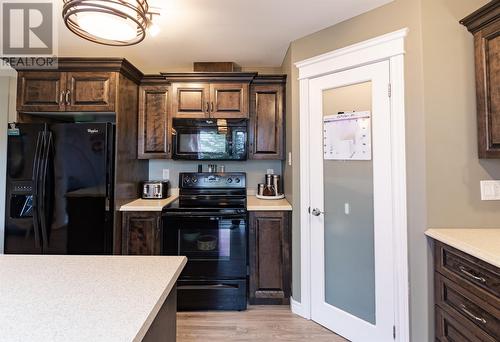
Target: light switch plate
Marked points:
490	190
166	174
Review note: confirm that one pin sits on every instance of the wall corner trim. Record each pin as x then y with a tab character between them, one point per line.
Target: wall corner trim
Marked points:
382	47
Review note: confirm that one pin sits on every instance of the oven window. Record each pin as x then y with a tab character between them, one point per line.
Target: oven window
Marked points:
203	142
205	243
209	238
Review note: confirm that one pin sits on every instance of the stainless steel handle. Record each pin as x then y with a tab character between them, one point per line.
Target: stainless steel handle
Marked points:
471	315
469	274
316	212
67	97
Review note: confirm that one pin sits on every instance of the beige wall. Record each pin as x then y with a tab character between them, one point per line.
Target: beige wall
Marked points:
453	169
443	171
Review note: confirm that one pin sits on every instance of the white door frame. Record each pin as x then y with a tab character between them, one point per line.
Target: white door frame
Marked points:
387	47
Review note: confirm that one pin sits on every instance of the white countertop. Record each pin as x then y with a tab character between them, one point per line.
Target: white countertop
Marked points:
256	204
253	204
148	204
481	243
83	298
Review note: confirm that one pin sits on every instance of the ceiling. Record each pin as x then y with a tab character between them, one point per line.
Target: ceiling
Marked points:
252	33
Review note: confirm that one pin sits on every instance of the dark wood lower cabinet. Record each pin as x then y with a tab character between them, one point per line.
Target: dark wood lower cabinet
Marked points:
466	295
141	233
164	326
269	257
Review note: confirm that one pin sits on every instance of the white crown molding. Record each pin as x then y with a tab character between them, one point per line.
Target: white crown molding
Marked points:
380	48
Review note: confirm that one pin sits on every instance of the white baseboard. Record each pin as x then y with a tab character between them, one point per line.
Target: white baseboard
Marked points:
297	308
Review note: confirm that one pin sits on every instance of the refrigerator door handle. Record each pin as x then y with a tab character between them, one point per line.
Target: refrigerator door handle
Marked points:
43	181
36	174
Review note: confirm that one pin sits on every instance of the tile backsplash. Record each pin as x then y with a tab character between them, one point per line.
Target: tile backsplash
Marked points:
255	169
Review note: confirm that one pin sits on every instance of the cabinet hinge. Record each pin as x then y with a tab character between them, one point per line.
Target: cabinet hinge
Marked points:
394	331
389	89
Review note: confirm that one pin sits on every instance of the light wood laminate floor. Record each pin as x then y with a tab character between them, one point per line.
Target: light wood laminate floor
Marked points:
258	323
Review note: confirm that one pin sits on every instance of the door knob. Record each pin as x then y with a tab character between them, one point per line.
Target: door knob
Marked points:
316	212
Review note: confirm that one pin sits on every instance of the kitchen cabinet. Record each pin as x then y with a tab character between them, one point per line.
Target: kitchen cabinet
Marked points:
40	91
76	91
267	119
90	91
141	233
154	140
269	257
467	296
191	100
210	100
229	100
484	24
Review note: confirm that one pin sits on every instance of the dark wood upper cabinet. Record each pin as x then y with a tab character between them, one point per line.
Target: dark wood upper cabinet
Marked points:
269	257
40	91
91	91
79	85
66	91
141	233
154	122
191	100
484	24
229	100
266	126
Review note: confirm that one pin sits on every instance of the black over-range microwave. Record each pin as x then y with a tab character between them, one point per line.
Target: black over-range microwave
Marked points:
209	139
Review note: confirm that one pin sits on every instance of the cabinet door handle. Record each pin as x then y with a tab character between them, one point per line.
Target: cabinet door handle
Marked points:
212	106
61	95
470	275
68	93
207	108
471	315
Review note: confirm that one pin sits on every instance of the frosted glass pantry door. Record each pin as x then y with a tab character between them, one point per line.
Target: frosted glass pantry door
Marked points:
351	209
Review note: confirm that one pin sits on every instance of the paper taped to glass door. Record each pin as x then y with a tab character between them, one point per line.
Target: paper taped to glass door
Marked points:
347	136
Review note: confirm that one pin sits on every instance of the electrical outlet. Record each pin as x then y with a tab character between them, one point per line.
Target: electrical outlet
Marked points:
166	174
490	190
270	171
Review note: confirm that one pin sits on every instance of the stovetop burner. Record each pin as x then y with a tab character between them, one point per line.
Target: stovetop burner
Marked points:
222	192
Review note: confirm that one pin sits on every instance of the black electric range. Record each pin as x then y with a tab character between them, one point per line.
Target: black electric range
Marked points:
208	224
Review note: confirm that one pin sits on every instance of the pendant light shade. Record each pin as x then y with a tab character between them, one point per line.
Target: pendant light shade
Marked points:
108	22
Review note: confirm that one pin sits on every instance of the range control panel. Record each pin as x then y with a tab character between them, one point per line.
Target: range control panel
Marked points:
233	180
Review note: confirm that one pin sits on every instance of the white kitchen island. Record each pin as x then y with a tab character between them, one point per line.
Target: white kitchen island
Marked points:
88	298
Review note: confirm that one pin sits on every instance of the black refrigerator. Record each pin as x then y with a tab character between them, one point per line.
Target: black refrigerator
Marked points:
59	188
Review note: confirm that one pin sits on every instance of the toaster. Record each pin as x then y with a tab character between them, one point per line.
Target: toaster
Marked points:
155	189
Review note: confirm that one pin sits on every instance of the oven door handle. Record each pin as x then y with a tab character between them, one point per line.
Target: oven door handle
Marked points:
207	287
203	215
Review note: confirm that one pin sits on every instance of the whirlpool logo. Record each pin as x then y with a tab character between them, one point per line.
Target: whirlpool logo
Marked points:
92	131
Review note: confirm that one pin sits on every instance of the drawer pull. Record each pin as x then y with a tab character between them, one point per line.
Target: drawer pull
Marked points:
471	315
469	274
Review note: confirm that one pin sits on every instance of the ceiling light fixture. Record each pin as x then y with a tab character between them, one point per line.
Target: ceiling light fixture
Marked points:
110	22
